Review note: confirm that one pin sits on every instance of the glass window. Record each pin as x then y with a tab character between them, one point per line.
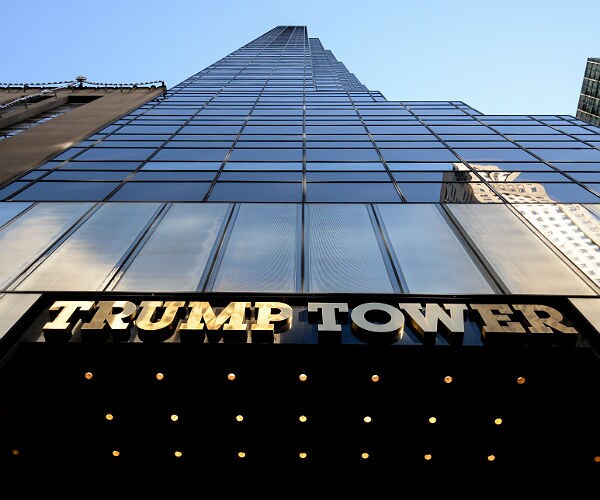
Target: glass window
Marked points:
257	191
148	129
162	191
271	130
351	192
462	129
317	155
168	175
537	192
429	155
9	211
13	306
410	144
525	129
241	165
210	129
13	187
261	176
431	257
100	165
342	251
492	155
181	165
572	155
505	176
175	255
553	145
191	154
335	129
586	167
67	191
347	176
585	176
570	229
398	129
115	154
422	176
24	239
92	254
200	144
87	175
263	250
239	154
422	166
517	256
344	166
512	166
481	144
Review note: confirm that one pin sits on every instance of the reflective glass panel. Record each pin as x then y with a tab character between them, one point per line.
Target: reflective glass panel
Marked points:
342	251
262	251
430	255
516	255
90	256
176	253
24	239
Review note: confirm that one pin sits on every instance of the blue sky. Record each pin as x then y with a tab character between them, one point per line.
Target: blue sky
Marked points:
501	57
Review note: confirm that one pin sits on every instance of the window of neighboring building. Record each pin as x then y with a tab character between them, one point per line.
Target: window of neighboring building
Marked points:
32	121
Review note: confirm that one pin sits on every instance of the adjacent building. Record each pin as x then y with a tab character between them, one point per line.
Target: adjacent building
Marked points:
588	108
58	115
272	265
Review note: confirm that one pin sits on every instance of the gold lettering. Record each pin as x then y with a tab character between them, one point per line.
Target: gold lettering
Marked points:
428	323
106	319
491	319
62	325
553	320
265	321
234	312
148	320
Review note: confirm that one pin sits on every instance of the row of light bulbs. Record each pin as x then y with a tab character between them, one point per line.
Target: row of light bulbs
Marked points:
367	419
303	377
302	455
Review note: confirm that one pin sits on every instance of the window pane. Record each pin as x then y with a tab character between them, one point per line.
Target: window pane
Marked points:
430	255
191	154
162	191
316	155
351	192
89	257
115	154
430	155
572	229
257	191
68	191
494	155
87	175
175	256
9	211
262	254
519	258
342	252
25	238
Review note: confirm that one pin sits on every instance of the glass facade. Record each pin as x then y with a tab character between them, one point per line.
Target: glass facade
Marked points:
588	108
273	265
276	170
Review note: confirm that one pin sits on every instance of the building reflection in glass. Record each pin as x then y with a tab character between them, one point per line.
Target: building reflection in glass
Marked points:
569	227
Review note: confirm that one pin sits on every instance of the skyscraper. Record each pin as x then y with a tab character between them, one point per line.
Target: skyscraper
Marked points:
272	264
588	108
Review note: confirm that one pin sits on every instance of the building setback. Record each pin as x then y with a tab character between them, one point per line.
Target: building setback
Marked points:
273	265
